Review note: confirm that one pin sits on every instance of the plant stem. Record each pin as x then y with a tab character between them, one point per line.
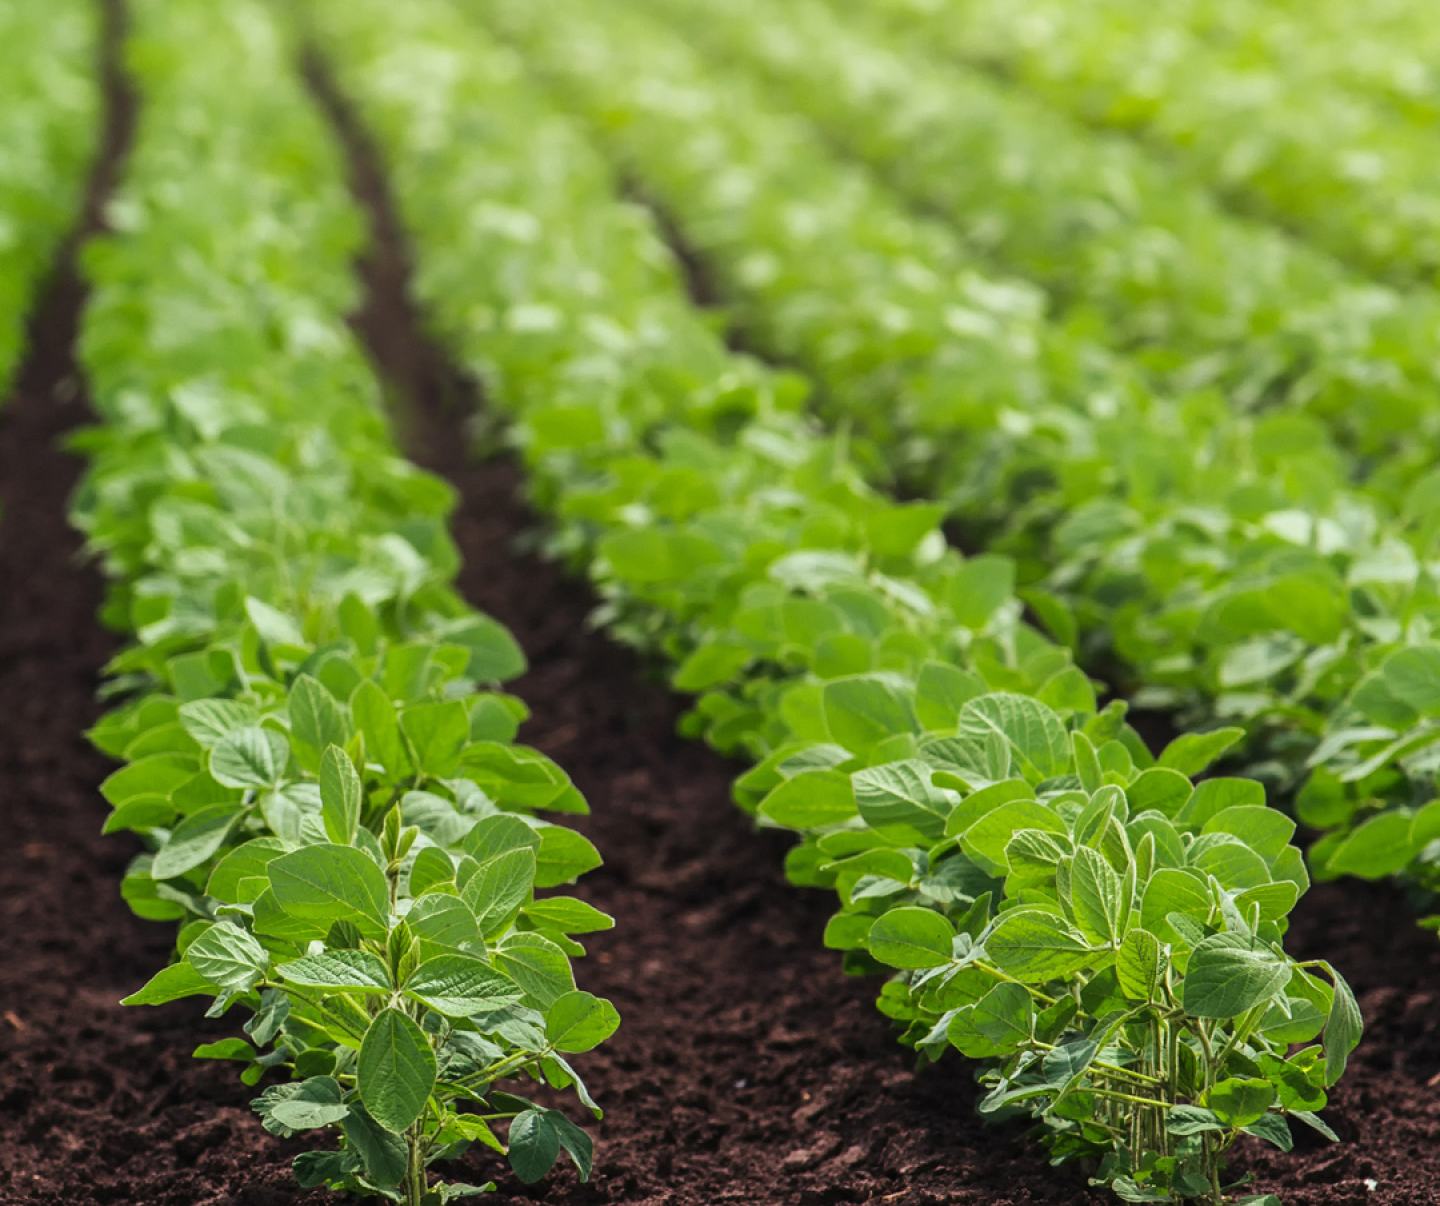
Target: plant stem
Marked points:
414	1168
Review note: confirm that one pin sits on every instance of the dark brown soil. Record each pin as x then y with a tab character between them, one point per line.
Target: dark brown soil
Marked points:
748	1069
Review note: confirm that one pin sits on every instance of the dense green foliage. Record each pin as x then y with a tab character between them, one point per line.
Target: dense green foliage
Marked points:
1196	296
49	122
316	749
987	829
1226	558
1393	53
1354	173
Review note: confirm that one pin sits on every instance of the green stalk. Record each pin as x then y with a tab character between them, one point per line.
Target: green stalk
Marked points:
414	1167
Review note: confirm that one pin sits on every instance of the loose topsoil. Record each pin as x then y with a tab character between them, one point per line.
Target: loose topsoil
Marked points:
748	1068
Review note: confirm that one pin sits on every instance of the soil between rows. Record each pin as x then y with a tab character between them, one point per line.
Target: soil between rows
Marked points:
748	1069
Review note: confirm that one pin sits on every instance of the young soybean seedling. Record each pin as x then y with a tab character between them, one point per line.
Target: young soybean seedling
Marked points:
403	981
1105	936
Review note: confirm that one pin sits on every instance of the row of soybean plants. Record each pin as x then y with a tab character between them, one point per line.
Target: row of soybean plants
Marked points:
49	116
1103	933
316	751
1280	133
1391	55
1226	557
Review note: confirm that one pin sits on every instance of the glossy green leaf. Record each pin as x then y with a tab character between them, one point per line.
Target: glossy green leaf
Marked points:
395	1070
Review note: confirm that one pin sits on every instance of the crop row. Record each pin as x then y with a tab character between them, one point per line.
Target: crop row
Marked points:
1391	55
1346	169
1059	903
1225	558
316	750
1126	249
49	120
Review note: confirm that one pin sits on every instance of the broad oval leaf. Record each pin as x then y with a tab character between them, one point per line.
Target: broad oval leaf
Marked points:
1230	973
396	1070
580	1021
328	883
353	971
911	937
250	757
228	956
194	840
1034	946
460	986
1034	734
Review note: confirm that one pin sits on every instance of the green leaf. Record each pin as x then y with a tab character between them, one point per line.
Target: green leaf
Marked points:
1378	847
230	1048
273	625
941	690
814	799
1005	1015
250	757
341	796
442	921
979	588
1343	1027
234	875
1231	973
1266	831
1192	1120
567	915
228	957
911	937
326	883
499	834
538	966
497	890
579	1022
382	1153
396	1070
1217	795
432	867
437	732
154	777
460	986
575	1141
988	839
1139	965
316	718
900	793
286	1109
1275	1130
1192	753
563	857
194	841
534	1145
171	984
210	721
1240	1100
350	970
1035	946
373	712
1174	890
495	657
1096	898
1161	789
1034	734
864	710
1412	674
